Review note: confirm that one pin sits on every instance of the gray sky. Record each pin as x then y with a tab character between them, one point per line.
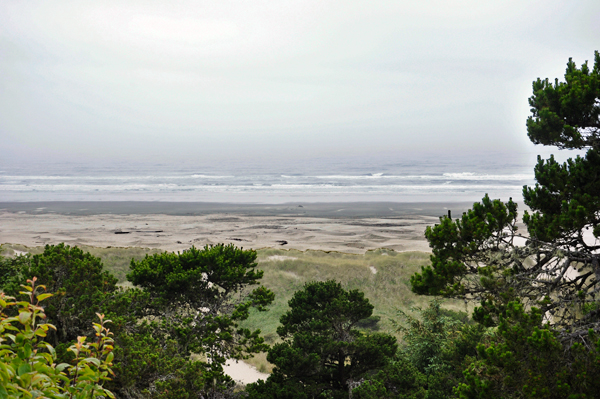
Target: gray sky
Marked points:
92	80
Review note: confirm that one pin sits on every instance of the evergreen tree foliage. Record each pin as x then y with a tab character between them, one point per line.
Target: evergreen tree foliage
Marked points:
567	114
322	353
524	358
565	202
437	345
10	275
537	288
200	296
477	257
400	379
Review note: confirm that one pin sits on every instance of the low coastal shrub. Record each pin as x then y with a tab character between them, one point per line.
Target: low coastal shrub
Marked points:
28	366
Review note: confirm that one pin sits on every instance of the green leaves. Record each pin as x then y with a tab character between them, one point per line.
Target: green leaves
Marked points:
79	287
27	364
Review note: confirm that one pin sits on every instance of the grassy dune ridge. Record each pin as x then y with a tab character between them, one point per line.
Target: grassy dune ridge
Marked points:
383	275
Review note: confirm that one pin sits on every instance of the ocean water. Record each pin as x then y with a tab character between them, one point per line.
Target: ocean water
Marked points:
315	180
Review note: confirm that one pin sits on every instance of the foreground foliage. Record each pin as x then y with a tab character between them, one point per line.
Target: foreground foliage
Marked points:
525	359
188	303
80	285
27	362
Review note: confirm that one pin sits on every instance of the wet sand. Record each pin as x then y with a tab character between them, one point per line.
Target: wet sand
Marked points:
301	209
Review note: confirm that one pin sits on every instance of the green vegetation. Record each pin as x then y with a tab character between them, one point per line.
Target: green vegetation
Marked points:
79	284
477	257
322	354
188	302
566	114
534	331
116	260
199	298
437	346
525	358
388	289
149	346
286	271
28	366
541	296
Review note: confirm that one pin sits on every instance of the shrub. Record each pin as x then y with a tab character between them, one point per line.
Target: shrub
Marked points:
27	362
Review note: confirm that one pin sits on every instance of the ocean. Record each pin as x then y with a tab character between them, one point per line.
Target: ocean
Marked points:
316	180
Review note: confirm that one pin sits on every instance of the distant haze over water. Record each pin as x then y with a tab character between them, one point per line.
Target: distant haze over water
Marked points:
436	179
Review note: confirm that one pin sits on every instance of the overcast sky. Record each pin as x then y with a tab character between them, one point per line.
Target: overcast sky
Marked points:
91	80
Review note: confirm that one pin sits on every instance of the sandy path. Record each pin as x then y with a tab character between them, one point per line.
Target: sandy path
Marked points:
243	373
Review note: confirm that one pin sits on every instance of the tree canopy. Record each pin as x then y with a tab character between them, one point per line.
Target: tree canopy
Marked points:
322	353
200	296
481	256
567	114
78	281
185	303
539	287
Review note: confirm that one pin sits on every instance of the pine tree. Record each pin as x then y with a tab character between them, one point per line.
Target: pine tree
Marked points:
322	353
479	257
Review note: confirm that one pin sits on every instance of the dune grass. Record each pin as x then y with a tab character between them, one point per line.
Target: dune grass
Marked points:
382	275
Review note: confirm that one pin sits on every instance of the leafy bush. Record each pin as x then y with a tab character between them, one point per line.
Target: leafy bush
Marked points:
27	362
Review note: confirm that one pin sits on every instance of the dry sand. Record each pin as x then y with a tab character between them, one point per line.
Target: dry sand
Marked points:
353	228
243	373
176	233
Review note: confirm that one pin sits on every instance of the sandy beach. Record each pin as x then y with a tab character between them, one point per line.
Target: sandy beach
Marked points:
343	227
